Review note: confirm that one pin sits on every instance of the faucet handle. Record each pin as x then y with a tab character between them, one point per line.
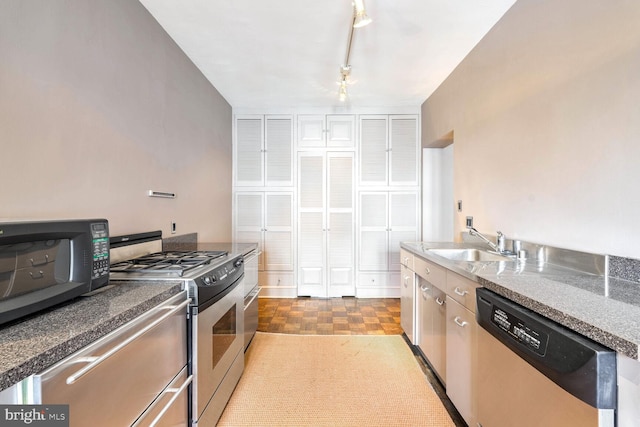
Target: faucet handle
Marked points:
500	241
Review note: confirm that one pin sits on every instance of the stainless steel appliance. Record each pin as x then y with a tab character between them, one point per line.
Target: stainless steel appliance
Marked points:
251	293
214	281
49	262
534	372
131	361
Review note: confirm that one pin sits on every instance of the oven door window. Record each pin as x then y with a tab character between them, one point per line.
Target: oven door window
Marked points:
223	332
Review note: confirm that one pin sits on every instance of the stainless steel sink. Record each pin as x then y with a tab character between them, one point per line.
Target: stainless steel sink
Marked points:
469	255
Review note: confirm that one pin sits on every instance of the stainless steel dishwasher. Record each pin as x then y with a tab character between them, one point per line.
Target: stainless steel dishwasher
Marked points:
535	372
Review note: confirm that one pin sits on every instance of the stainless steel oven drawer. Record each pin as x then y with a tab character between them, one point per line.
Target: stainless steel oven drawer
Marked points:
112	381
250	315
171	408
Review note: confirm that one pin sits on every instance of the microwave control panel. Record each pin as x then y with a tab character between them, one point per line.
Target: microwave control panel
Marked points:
100	245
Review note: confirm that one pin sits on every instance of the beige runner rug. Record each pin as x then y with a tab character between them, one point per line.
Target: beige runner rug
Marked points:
332	380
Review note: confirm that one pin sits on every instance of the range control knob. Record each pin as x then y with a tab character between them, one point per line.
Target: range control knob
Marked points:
238	262
206	280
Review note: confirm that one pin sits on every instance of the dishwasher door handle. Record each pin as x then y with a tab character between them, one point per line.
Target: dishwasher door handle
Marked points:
96	360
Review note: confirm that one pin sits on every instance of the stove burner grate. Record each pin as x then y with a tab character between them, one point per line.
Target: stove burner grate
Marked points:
174	262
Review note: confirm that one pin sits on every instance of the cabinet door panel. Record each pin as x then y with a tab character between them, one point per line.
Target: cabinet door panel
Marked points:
340	186
311	131
278	235
461	356
373	251
340	252
249	138
404	154
340	131
311	187
278	250
373	150
373	210
279	151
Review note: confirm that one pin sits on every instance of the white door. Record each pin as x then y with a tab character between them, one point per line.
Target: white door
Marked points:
340	224
311	224
325	224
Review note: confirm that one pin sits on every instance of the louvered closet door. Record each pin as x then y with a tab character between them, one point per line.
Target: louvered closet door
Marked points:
403	224
373	150
404	154
278	234
279	151
249	165
373	231
311	225
249	209
340	226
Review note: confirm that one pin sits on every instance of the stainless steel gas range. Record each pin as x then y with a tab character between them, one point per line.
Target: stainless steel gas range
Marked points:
215	282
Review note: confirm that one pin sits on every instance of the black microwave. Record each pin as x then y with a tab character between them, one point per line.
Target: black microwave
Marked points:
46	263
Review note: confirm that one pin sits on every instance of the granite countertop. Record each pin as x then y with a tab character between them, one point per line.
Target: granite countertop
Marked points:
31	345
605	309
233	248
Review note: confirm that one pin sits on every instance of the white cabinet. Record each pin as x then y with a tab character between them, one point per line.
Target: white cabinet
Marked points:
385	220
263	151
267	218
326	243
332	131
431	314
462	331
407	302
389	150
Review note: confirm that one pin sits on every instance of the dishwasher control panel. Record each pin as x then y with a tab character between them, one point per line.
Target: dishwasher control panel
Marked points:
526	334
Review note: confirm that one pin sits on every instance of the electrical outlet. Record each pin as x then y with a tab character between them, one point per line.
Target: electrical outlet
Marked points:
173	227
459	205
469	222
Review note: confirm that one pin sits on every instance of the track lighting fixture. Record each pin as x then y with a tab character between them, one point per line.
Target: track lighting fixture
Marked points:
360	19
360	15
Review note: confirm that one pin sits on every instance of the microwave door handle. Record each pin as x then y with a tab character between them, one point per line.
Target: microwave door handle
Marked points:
96	360
176	394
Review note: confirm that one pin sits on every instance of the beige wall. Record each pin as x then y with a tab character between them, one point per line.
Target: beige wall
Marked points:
98	106
546	117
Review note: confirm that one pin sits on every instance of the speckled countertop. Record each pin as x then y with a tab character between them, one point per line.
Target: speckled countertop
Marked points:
607	310
29	346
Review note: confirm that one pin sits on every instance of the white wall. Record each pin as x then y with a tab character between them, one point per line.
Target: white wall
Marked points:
97	106
437	194
546	115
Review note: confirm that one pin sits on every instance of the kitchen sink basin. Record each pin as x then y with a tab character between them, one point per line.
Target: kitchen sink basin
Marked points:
469	255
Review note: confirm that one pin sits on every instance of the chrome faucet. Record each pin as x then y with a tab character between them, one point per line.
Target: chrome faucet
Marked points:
494	246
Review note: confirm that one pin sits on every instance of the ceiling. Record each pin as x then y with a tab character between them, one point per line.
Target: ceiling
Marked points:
271	54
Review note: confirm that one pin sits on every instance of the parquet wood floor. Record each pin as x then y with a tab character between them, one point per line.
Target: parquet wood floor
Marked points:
332	316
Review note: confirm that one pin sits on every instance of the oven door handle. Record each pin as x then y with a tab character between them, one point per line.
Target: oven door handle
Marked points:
96	360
